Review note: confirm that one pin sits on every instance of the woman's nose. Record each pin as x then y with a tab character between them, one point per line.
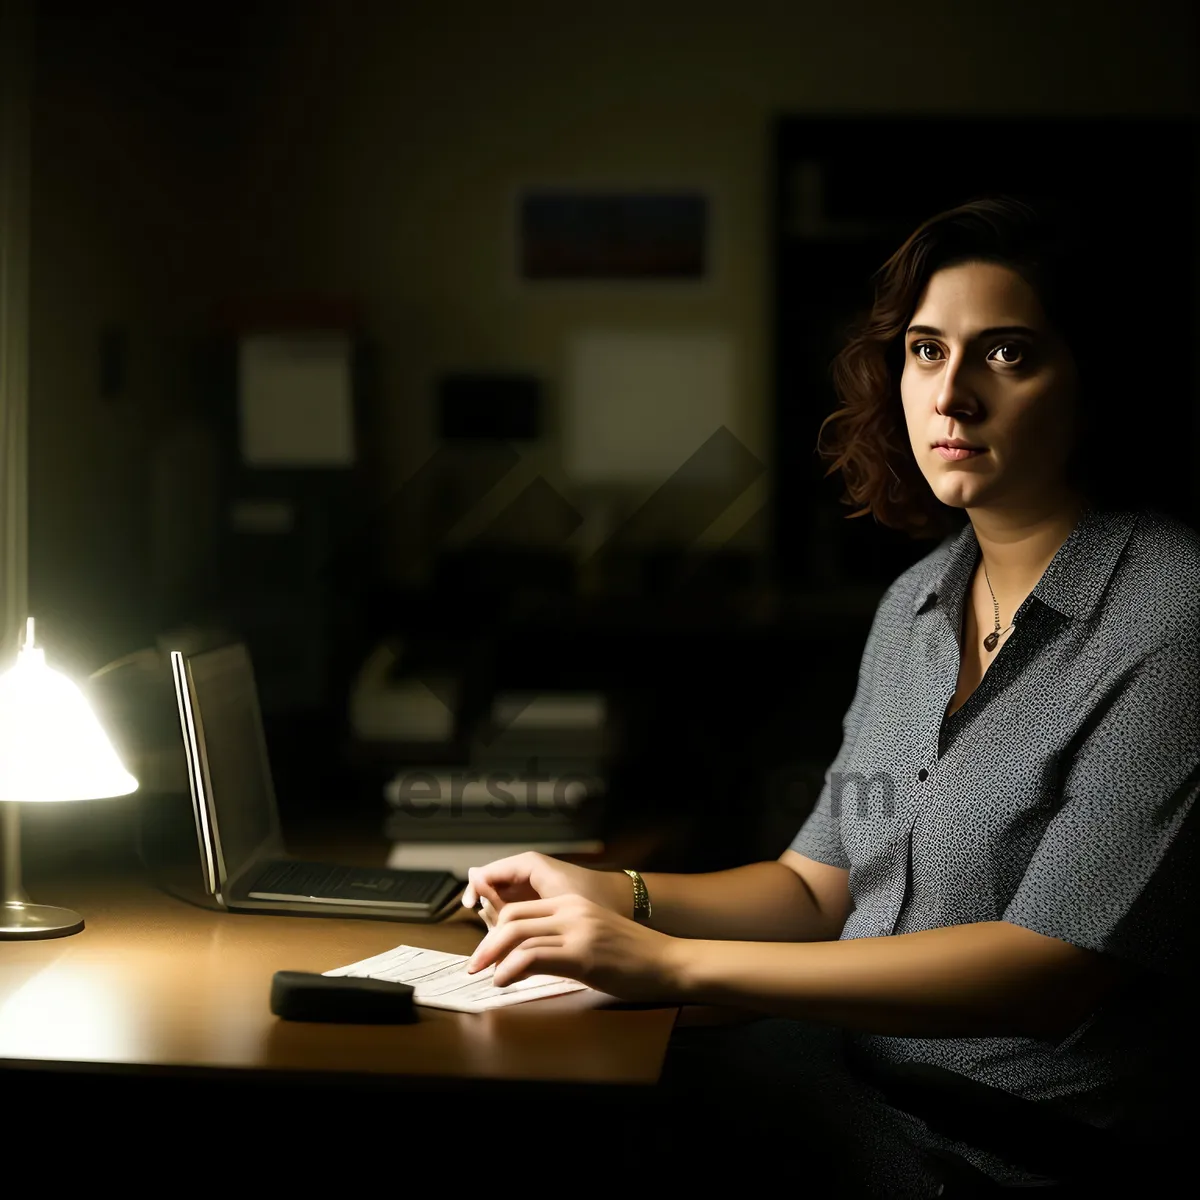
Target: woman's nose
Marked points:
954	398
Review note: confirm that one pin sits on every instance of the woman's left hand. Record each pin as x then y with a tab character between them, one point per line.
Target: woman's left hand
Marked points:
579	939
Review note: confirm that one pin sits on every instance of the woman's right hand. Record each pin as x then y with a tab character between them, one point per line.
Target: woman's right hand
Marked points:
533	876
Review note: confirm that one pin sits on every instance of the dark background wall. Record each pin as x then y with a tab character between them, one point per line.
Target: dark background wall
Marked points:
367	156
373	150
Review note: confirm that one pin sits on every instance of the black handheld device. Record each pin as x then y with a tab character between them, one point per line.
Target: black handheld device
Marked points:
304	996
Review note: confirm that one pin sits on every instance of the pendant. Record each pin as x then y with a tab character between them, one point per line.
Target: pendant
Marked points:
989	642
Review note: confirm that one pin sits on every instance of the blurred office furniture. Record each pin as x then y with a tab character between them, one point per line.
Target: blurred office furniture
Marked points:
524	771
724	697
389	707
535	778
284	387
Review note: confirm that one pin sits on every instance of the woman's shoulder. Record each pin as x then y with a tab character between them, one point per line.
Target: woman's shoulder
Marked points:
1160	530
1159	574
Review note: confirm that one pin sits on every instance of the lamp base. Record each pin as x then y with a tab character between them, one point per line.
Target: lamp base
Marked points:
33	921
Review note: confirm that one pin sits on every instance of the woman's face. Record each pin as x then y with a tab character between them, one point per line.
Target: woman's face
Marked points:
982	367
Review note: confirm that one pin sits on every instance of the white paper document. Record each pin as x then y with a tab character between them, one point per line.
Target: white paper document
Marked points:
440	980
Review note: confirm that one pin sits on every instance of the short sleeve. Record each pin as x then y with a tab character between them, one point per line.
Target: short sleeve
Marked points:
820	837
1116	866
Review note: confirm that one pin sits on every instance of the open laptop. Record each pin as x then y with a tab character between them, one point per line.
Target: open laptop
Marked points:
243	863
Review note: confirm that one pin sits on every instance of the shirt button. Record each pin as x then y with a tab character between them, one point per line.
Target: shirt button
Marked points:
922	774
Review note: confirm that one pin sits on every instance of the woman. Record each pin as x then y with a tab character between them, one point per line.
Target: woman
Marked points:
996	878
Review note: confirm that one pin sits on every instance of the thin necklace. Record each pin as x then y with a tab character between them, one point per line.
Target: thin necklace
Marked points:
989	642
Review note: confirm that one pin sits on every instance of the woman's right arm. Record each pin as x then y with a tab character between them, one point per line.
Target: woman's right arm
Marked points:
793	899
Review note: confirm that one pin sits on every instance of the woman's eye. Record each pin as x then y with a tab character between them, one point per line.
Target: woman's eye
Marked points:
1016	350
918	347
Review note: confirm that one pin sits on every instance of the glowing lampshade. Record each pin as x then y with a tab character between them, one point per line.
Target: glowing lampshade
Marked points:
52	748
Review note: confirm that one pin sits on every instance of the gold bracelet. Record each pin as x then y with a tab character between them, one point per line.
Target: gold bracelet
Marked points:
641	898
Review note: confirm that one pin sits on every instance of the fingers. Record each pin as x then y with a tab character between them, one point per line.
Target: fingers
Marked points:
502	875
472	898
476	888
537	956
485	912
479	890
506	937
524	910
516	910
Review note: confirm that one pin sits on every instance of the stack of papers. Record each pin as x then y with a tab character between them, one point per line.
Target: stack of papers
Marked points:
440	980
459	857
555	711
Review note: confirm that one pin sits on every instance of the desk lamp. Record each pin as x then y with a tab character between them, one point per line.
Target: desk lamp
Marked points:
52	748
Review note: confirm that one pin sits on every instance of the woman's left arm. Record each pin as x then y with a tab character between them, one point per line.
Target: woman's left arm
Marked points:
986	979
992	978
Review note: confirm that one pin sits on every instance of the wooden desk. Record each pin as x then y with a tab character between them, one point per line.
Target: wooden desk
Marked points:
154	984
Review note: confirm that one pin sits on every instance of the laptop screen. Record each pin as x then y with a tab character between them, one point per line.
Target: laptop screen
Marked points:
238	776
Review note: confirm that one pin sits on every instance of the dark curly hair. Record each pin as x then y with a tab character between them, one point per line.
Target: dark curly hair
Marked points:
866	438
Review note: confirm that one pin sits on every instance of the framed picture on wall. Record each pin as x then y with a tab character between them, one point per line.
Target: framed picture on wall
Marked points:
611	234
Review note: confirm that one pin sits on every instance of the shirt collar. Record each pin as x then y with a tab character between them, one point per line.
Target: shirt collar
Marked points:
1073	582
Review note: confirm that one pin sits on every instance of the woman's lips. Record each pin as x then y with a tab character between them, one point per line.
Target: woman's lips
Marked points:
957	453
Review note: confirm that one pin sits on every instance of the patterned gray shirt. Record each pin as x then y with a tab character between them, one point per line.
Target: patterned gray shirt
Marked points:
1059	797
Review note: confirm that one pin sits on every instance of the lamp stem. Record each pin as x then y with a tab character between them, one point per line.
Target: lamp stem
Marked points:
11	891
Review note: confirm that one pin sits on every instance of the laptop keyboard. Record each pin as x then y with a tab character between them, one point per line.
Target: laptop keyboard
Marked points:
314	880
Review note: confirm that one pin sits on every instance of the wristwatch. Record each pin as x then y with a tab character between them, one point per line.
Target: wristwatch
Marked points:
641	898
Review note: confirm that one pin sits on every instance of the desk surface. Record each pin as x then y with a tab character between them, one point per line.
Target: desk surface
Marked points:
155	984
